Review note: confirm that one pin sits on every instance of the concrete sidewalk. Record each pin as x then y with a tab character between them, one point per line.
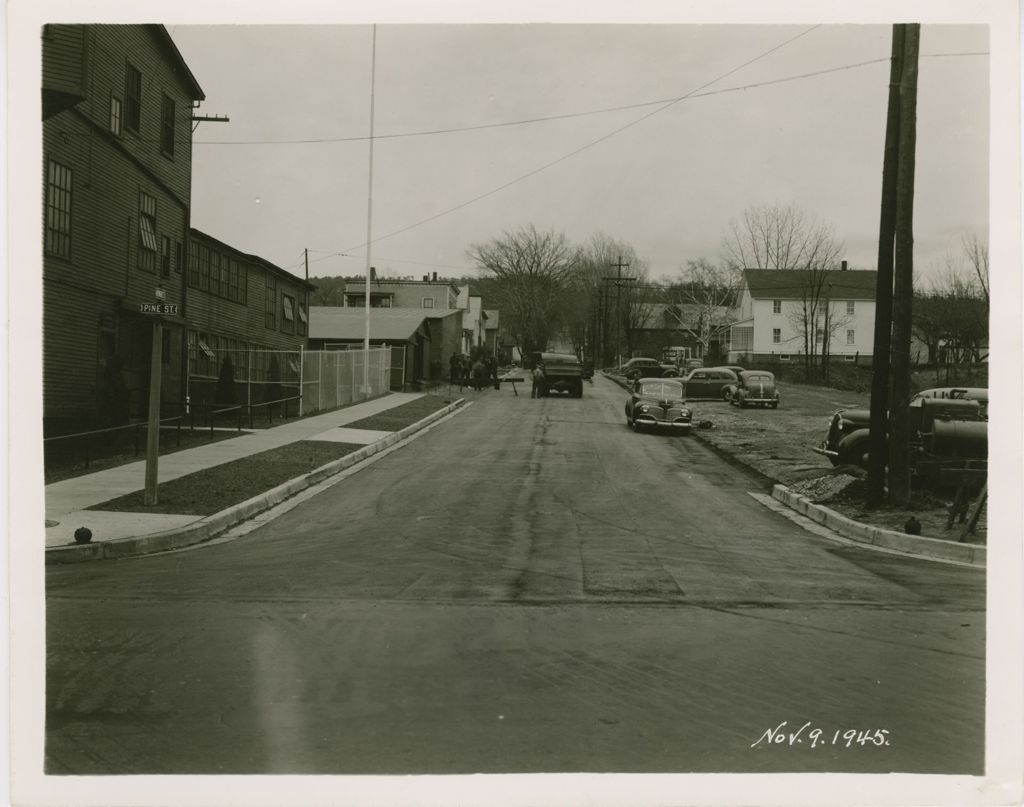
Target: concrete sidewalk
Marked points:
67	500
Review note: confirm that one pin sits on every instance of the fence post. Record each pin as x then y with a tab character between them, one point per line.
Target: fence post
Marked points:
211	416
302	367
239	418
87	451
136	430
178	434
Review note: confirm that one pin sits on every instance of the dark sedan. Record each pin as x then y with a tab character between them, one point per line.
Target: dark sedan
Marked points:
709	382
656	402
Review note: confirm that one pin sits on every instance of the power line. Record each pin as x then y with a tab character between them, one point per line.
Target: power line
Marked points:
583	148
571	115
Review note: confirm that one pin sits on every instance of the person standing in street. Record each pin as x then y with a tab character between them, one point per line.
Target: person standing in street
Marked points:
478	375
537	390
455	369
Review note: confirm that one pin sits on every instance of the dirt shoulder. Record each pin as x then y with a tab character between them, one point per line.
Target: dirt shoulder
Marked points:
779	443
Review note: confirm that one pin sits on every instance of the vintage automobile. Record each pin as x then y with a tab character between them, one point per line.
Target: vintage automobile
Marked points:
979	394
754	388
641	367
941	429
709	382
658	402
563	372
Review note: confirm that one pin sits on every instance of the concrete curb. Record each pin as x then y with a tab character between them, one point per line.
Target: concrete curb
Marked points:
866	534
211	526
919	545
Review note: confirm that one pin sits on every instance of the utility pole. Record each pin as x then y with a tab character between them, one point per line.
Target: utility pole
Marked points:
619	281
878	442
369	219
903	275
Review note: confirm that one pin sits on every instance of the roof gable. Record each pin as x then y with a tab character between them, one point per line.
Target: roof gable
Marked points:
851	284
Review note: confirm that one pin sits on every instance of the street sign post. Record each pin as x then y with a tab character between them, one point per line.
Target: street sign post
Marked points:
149	495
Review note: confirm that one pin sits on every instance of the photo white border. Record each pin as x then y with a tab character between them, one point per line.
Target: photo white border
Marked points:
1004	752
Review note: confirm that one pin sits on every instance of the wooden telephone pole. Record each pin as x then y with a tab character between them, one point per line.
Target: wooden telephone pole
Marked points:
619	281
892	355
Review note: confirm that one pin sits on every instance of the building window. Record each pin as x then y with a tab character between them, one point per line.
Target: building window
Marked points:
776	335
147	232
177	257
58	209
288	313
819	335
133	99
193	264
165	256
428	302
167	126
303	320
783	357
270	303
115	115
850	308
851	337
776	306
204	269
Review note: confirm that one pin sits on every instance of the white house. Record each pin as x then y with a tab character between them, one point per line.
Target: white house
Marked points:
771	320
474	319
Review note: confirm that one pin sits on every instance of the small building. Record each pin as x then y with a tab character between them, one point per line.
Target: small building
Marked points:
404	330
245	317
428	294
772	323
474	320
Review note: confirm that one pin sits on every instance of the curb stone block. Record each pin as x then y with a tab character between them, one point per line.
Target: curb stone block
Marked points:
877	536
209	527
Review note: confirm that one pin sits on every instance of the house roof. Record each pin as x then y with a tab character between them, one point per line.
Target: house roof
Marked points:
790	284
186	75
200	236
389	324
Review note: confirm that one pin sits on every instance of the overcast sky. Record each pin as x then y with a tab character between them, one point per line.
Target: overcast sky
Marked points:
669	184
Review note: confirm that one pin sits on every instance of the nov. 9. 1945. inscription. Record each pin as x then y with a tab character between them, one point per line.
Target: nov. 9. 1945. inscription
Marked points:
818	737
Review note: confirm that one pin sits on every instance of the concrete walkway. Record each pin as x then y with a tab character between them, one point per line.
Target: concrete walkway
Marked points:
67	500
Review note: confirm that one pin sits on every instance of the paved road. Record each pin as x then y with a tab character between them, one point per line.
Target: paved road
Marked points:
529	587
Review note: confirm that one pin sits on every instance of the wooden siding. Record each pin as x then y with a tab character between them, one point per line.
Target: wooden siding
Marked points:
64	65
212	313
100	280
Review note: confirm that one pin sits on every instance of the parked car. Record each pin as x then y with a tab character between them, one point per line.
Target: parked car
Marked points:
709	382
641	367
941	429
979	394
754	388
692	364
658	402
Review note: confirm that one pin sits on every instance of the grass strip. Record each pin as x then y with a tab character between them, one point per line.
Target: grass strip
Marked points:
214	489
391	420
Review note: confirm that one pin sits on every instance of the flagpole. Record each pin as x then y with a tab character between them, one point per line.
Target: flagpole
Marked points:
369	217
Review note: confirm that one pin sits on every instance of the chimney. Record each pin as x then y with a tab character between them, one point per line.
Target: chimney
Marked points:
426	278
842	266
435	276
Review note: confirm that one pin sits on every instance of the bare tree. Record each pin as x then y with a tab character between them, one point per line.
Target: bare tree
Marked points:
702	306
533	271
977	256
784	237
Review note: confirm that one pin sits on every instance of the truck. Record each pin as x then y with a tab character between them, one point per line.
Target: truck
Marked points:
945	432
563	372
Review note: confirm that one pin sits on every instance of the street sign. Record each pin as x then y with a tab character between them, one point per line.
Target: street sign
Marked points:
159	308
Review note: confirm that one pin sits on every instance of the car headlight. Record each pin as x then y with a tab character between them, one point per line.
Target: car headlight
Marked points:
645	408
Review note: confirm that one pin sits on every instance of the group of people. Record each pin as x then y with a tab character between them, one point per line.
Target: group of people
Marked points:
473	373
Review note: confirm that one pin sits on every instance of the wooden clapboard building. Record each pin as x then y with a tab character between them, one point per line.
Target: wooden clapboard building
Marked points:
117	105
246	310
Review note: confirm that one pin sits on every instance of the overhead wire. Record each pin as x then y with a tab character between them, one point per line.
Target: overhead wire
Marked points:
571	115
591	144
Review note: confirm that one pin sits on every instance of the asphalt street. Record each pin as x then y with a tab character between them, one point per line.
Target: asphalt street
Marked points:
528	587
